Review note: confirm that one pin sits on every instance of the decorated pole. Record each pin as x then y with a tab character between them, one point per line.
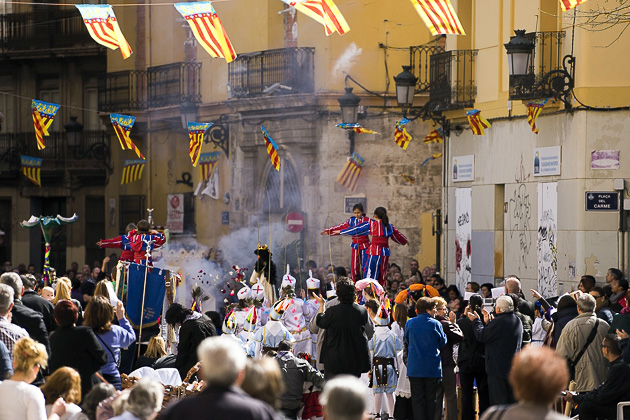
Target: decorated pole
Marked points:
147	255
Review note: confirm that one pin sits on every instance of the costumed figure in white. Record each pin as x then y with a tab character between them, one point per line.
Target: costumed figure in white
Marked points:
294	317
264	272
273	332
260	303
229	329
369	289
242	308
250	329
312	306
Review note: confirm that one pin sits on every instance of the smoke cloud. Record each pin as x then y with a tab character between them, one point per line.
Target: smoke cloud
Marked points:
346	60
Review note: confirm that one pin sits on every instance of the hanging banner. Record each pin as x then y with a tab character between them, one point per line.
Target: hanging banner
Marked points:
175	213
102	25
463	235
547	239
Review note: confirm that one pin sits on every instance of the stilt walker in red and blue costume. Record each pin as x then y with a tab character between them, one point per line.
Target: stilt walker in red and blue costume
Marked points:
378	252
360	242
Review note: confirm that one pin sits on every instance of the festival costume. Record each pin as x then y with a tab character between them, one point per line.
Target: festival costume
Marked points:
360	242
122	242
312	307
264	272
378	251
142	244
295	311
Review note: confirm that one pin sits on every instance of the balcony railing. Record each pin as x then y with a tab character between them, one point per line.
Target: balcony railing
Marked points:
452	83
122	91
43	28
279	71
419	57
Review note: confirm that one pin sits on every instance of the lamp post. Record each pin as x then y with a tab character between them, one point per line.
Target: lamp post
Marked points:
73	132
405	88
349	104
188	112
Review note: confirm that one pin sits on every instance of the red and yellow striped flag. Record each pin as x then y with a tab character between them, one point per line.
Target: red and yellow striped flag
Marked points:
196	132
439	16
401	137
102	25
432	157
31	168
272	149
43	115
570	4
533	110
208	162
132	170
435	136
122	126
357	128
324	12
349	176
477	122
208	29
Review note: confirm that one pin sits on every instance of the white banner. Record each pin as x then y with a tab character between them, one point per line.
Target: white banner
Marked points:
547	239
463	168
175	215
547	161
463	237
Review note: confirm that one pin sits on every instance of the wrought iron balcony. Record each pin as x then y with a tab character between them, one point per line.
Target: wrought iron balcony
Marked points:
419	57
279	71
122	91
452	84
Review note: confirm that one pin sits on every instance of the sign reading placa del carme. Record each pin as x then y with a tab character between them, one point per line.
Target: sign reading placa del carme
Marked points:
602	201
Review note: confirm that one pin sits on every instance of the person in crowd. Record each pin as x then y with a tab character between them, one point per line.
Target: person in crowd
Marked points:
590	369
38	303
344	398
587	282
263	381
438	284
91	401
601	402
155	350
76	292
18	398
513	285
447	390
89	284
345	347
526	321
98	316
216	320
144	401
47	293
619	289
456	306
472	287
566	311
75	347
9	332
64	383
424	337
453	292
193	329
612	274
486	290
63	292
538	375
402	407
221	398
6	367
502	337
602	304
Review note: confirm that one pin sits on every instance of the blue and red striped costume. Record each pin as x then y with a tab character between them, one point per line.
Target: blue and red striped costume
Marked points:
360	242
142	244
122	242
378	251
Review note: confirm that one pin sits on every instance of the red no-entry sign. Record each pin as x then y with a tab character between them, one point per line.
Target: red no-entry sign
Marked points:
295	222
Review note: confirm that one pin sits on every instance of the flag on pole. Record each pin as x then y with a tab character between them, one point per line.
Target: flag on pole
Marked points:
439	16
208	162
356	128
477	122
196	132
324	12
43	115
533	111
207	28
122	126
272	149
401	137
435	136
570	4
31	168
102	25
429	159
349	175
132	170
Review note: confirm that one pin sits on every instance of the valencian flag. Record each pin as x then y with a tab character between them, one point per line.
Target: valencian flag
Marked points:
349	176
570	4
43	115
356	128
208	162
439	16
477	122
401	137
196	132
429	159
122	126
324	12
153	298
533	111
207	28
31	168
435	136
103	27
132	170
272	149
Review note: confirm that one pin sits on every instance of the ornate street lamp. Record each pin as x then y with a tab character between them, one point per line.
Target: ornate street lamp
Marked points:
405	88
520	50
73	132
349	103
188	111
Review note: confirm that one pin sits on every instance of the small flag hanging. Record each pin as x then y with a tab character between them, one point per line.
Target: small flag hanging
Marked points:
429	159
31	168
439	16
409	179
122	126
349	175
272	149
196	132
477	122
324	12
43	115
207	28
401	137
102	25
533	111
356	128
435	136
208	162
570	4
132	170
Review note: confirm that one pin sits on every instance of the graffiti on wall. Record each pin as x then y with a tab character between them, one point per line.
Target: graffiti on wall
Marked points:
547	239
463	234
519	221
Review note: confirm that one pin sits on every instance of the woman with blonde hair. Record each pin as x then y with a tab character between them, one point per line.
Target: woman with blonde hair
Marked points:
63	291
64	383
155	350
18	398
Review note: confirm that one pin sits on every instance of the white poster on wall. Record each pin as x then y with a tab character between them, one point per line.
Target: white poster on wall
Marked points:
463	235
463	168
175	213
547	161
547	239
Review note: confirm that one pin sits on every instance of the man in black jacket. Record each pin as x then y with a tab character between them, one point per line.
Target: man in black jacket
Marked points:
601	403
32	300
